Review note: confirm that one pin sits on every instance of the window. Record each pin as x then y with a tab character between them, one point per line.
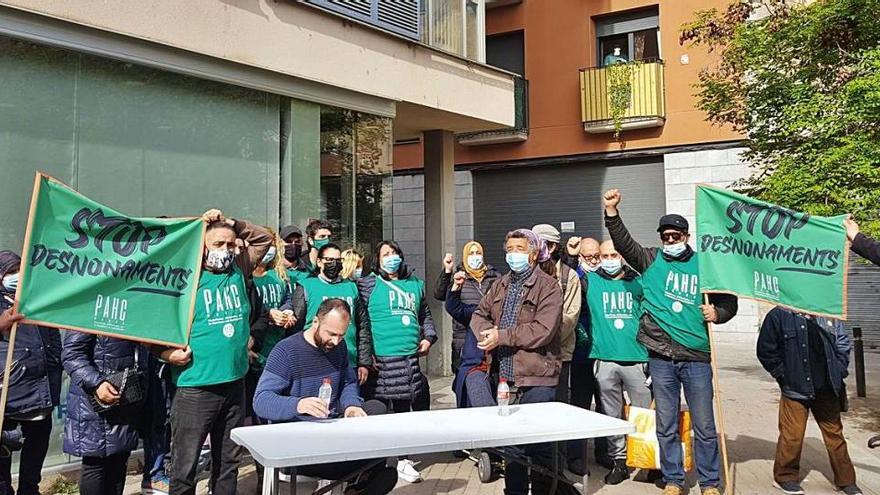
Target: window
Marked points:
628	37
507	51
455	26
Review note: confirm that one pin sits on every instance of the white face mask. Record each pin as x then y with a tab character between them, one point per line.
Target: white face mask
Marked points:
219	260
588	267
675	250
612	266
475	261
10	282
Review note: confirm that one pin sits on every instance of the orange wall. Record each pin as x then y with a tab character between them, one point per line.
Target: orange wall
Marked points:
559	40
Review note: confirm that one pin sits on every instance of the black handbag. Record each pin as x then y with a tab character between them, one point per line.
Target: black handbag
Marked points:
131	385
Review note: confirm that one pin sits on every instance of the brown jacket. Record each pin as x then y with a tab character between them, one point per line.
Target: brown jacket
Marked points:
536	335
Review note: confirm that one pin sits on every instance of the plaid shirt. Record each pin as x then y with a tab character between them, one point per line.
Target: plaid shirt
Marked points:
509	317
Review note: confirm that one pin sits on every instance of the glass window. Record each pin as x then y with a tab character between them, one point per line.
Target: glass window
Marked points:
633	36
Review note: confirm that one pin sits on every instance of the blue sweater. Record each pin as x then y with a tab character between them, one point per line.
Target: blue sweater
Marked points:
296	369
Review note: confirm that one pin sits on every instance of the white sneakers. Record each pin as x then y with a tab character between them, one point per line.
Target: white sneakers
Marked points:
407	471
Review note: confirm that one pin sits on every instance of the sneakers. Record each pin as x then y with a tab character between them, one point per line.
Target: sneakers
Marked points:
712	491
851	490
789	487
672	490
407	471
157	486
618	474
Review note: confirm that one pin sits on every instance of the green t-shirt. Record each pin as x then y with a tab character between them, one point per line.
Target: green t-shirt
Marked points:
317	291
220	331
615	309
672	296
394	316
273	291
297	275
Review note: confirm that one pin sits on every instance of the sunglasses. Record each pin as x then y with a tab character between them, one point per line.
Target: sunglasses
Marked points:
672	236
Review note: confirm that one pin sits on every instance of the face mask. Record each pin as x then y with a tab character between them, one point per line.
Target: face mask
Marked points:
588	267
270	255
319	243
332	269
10	282
475	261
358	272
218	260
674	250
390	264
517	262
612	266
292	252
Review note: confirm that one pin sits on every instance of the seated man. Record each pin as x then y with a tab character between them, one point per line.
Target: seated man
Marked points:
288	391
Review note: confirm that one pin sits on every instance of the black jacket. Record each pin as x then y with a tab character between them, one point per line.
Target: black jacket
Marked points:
658	342
867	248
784	351
299	306
35	376
471	293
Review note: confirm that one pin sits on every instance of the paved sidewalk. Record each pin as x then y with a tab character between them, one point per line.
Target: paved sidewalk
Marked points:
750	408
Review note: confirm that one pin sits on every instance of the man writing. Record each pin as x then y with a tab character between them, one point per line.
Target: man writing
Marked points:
673	329
295	371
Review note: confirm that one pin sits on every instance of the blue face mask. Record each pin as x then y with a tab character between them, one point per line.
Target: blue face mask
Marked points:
675	250
269	256
518	262
358	272
612	266
10	282
391	263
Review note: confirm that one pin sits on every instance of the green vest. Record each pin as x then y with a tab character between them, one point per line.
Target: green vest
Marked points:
615	309
317	291
672	296
273	291
220	331
394	316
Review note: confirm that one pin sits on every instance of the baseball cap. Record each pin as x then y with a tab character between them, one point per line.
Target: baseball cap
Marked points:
673	221
289	230
546	232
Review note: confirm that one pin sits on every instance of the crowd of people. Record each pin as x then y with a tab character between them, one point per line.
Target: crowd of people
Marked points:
279	316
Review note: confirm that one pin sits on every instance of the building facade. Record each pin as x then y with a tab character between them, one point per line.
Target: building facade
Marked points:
273	111
605	99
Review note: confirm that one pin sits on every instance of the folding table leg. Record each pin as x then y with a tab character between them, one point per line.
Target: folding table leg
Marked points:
270	481
291	490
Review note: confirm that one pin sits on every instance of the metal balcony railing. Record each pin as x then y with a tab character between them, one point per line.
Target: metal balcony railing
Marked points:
519	132
647	104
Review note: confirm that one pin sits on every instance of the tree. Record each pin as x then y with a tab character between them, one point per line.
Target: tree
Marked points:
801	81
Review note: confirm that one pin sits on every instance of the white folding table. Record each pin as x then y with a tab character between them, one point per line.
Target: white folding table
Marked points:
404	434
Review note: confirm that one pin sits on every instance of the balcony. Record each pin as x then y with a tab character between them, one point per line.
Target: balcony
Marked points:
623	97
518	133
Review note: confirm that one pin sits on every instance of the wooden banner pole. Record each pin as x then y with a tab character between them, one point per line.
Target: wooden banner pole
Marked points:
6	372
719	411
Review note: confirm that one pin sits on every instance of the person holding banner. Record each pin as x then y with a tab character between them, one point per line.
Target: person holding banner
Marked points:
34	388
99	427
808	356
862	245
674	329
209	374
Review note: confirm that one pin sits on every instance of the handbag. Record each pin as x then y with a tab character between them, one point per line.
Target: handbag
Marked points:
131	385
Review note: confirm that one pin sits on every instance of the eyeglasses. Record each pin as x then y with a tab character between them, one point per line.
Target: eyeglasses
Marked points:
331	260
672	236
594	257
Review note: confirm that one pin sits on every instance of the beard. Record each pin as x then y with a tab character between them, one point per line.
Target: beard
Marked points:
322	344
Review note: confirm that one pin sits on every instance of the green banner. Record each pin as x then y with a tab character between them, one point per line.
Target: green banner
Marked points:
766	252
89	268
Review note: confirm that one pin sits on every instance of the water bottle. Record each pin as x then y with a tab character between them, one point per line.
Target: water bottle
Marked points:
503	398
326	391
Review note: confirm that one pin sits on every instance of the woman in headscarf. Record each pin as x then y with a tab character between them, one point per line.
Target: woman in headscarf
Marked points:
478	279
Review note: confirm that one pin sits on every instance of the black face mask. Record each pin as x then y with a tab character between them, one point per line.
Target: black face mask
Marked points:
332	269
292	252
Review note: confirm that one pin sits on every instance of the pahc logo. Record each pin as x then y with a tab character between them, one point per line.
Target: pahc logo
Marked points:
682	288
618	306
110	312
766	285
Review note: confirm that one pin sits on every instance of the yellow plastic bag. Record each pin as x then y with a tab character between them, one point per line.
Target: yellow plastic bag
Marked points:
643	448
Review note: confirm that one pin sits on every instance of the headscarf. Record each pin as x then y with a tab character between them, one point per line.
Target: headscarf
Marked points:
480	272
537	244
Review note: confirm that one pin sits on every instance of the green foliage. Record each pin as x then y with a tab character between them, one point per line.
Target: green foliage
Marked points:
62	486
802	82
619	92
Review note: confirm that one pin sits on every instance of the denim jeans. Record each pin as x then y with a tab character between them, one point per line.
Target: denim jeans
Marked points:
196	413
668	378
36	444
516	476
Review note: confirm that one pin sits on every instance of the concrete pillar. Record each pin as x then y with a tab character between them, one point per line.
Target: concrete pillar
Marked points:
439	160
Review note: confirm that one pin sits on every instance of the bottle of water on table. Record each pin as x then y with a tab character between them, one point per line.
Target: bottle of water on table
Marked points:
326	391
503	398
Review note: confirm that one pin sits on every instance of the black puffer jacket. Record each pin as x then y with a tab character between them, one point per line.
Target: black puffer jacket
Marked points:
399	377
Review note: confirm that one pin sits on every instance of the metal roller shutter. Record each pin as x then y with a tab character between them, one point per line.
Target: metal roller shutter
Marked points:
510	198
863	300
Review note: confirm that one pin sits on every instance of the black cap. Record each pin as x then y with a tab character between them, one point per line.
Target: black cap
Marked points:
673	221
289	230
